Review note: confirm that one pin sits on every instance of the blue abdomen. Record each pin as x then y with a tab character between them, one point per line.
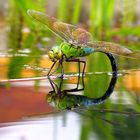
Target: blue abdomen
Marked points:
88	50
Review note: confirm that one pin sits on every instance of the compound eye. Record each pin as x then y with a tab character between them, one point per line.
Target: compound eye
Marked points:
51	54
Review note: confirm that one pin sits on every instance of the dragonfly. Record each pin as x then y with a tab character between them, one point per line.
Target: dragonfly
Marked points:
61	98
77	42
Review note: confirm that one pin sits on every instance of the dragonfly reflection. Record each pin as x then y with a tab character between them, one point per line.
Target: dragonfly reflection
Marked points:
63	100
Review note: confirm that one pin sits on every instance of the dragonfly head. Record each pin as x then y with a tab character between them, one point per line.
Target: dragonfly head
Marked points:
55	54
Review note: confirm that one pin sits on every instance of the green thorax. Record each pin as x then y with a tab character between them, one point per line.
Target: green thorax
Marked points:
68	51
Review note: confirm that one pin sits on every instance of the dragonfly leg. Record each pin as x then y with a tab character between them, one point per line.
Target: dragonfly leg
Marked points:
79	61
83	71
62	68
53	84
51	69
56	89
76	60
61	77
60	86
78	72
60	64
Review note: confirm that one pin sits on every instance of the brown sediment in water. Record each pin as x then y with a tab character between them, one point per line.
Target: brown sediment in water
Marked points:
19	102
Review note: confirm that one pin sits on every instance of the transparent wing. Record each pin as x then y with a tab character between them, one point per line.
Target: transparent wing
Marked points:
78	36
110	47
67	32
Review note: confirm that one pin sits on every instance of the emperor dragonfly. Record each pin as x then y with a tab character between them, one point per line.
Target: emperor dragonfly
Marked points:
77	42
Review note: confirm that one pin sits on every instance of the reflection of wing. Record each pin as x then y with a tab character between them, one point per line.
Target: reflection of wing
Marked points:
67	32
110	47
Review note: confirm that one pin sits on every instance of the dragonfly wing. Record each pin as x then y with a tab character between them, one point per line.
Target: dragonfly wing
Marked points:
81	36
78	36
110	47
69	33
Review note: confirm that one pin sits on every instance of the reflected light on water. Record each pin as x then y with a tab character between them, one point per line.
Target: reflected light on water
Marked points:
51	128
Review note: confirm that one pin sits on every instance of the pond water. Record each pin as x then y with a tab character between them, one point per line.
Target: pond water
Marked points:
107	108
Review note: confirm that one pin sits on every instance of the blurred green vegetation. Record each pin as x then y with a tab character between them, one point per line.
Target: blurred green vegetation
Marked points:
24	34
